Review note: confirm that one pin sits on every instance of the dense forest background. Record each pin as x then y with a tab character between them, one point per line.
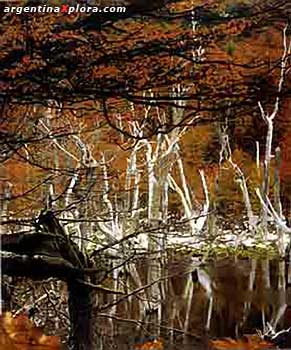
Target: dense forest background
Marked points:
124	134
186	70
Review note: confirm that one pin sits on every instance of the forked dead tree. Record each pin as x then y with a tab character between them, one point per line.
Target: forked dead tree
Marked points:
48	252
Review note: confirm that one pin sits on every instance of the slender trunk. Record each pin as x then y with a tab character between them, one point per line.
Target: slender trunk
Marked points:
266	181
277	200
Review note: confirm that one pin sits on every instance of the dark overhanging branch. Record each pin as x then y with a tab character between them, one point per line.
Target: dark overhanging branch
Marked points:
38	266
48	241
42	255
41	267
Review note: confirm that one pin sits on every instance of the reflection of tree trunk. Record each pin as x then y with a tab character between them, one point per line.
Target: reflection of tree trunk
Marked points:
279	305
266	274
266	285
189	299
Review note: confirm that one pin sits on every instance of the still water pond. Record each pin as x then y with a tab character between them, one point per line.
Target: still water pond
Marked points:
226	297
192	303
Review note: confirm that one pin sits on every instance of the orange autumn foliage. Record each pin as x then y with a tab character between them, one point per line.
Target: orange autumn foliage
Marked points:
156	344
248	342
134	56
19	333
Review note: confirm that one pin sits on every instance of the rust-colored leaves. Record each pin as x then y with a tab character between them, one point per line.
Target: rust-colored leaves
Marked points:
156	344
248	342
19	333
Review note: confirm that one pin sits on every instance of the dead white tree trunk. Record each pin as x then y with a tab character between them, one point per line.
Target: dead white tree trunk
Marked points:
226	155
269	120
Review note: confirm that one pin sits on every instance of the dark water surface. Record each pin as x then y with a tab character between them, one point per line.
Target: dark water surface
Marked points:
226	297
196	301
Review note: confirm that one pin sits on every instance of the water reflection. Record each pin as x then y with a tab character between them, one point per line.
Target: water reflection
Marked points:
221	298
